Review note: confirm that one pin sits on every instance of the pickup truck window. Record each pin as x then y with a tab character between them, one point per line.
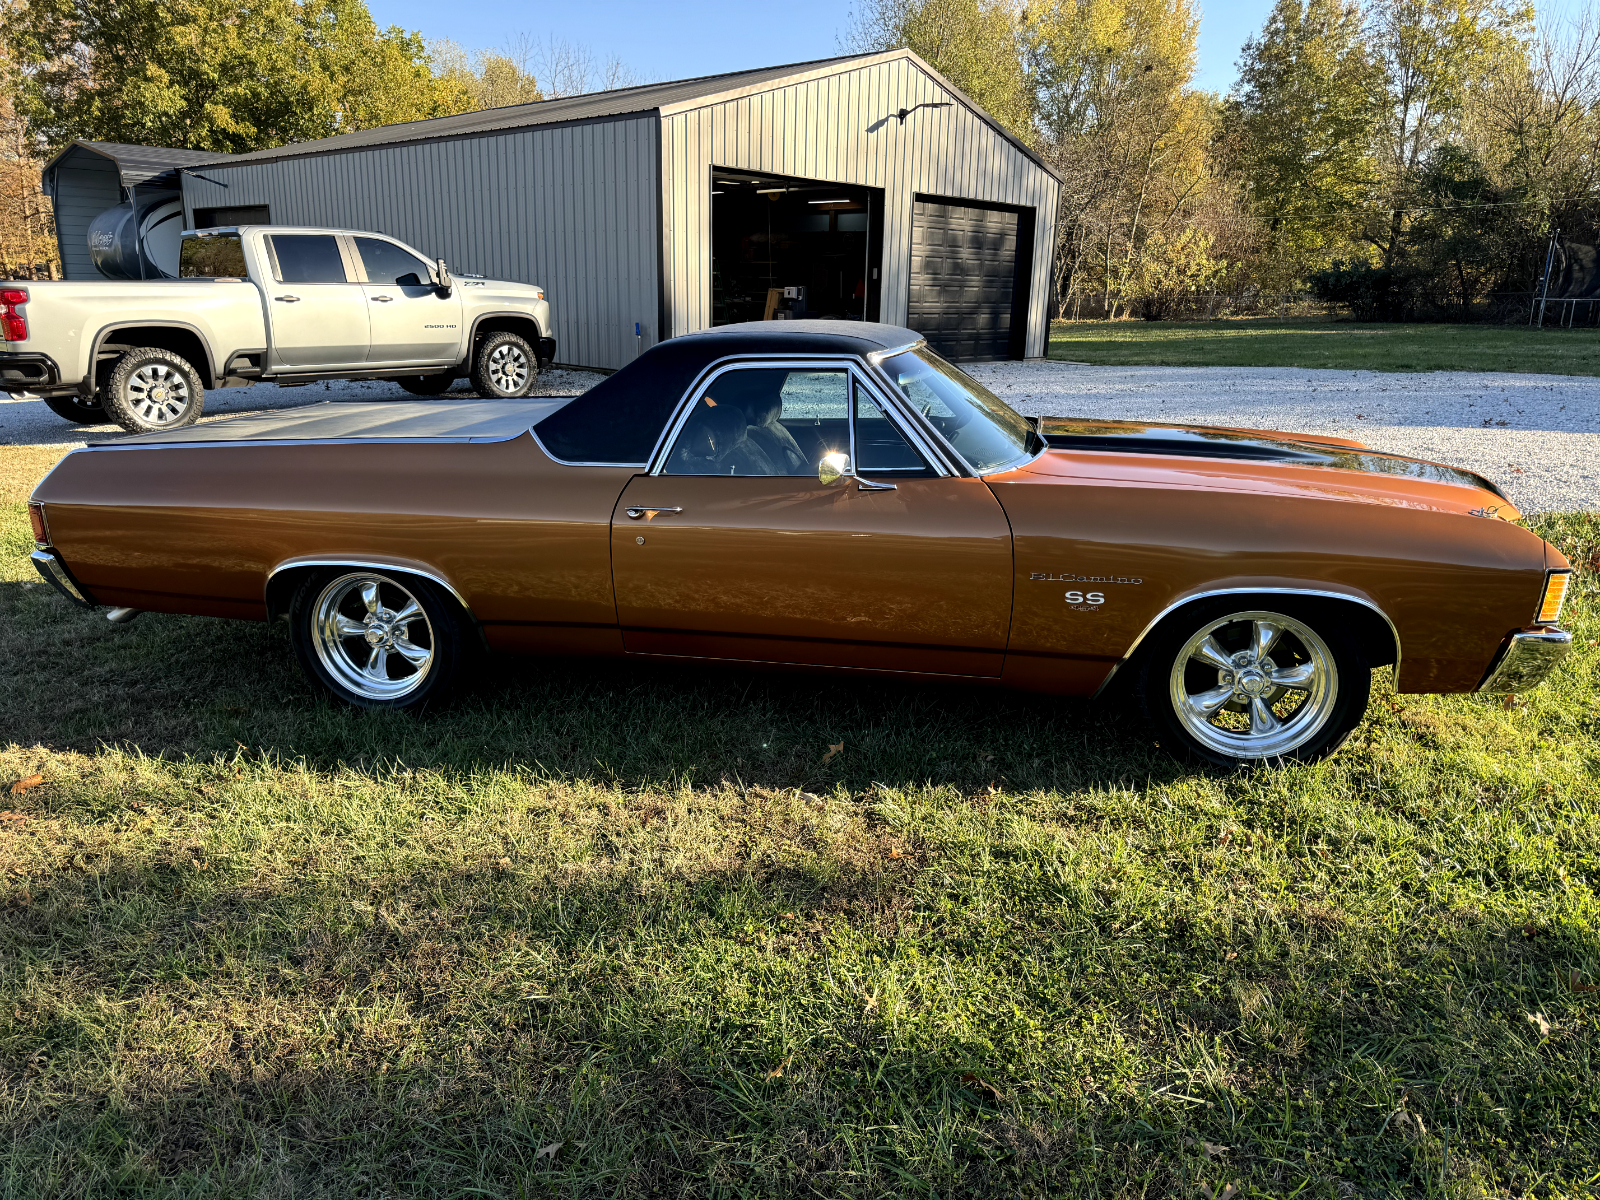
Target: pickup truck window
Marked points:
220	257
308	258
390	266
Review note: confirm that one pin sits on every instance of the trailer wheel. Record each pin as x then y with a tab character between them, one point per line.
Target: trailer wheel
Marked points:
153	389
75	408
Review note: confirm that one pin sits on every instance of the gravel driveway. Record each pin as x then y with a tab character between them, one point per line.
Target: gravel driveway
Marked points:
1537	436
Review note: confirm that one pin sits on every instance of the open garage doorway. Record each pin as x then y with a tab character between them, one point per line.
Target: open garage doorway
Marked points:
788	249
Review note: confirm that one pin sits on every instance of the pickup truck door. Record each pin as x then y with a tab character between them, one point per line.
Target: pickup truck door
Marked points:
412	323
317	310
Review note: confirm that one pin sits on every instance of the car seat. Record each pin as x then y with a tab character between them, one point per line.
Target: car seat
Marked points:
716	441
768	432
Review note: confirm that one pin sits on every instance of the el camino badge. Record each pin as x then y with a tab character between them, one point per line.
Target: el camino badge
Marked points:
1083	601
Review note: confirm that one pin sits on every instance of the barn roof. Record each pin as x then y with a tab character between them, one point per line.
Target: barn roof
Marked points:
140	166
652	97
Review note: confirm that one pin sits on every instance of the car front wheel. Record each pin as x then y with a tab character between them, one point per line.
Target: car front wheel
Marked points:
1241	687
377	640
504	367
151	389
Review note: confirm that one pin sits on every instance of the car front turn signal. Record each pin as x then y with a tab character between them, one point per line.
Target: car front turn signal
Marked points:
1555	591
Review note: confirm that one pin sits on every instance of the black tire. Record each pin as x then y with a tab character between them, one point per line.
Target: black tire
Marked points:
1255	721
151	389
504	366
426	385
439	630
76	408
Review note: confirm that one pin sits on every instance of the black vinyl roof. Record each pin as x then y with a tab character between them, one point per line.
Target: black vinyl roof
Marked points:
143	165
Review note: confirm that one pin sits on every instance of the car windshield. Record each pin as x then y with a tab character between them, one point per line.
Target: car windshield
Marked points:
979	426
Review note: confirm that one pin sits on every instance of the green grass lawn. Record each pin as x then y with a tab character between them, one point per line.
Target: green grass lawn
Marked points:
614	931
1345	345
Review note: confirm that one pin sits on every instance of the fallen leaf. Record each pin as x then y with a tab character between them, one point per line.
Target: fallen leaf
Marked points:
505	862
1509	702
1213	1150
777	1071
872	1004
1572	981
982	1085
1539	1021
22	785
896	854
1227	1193
12	814
1230	956
833	752
548	1151
1530	931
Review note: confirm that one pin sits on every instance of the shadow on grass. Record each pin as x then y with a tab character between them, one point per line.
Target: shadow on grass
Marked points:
728	1032
168	685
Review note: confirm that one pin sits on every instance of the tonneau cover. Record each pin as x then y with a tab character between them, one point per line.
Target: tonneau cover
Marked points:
401	420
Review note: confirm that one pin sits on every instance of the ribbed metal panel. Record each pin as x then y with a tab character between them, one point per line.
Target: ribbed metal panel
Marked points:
84	186
840	128
569	207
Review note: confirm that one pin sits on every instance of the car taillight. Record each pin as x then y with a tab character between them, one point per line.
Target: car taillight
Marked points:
1555	591
41	531
12	322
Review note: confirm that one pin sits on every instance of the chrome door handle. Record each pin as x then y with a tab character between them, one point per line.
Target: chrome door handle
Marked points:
383	299
288	299
635	511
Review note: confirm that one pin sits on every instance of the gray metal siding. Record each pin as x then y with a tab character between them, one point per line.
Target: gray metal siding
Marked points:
839	128
570	207
85	186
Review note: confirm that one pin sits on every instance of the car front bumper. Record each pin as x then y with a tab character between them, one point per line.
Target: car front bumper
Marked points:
1527	656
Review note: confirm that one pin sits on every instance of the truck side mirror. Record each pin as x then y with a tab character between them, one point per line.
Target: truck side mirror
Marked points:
441	277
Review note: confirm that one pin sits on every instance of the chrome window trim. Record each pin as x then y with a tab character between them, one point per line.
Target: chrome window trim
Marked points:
292	564
878	358
1248	591
923	440
851	365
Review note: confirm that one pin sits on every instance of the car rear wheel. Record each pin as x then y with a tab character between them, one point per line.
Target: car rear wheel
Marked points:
1246	687
504	367
377	640
76	408
152	389
426	385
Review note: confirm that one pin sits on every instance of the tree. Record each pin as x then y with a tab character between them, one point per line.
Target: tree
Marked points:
1304	106
27	226
973	43
224	75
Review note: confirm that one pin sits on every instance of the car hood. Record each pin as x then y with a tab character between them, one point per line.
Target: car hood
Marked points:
393	420
1247	445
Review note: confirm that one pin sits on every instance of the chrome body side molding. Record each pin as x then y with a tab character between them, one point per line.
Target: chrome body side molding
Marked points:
371	564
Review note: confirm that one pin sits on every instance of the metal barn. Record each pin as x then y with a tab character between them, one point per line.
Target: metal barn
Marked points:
865	188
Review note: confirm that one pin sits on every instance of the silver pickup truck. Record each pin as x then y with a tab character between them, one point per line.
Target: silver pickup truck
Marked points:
267	303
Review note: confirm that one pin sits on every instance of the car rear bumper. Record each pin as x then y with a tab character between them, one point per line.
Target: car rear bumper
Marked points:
1526	657
25	371
55	573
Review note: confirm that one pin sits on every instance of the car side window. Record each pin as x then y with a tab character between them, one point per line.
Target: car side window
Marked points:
308	258
391	266
881	449
764	421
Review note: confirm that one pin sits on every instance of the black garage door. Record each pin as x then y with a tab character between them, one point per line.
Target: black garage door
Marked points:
963	278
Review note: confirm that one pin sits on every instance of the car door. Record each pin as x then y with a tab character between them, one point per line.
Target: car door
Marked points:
317	309
413	324
733	548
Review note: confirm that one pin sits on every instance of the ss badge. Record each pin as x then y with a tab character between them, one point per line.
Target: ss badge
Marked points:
1095	598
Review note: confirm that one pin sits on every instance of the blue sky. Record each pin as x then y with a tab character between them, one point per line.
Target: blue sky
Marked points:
704	37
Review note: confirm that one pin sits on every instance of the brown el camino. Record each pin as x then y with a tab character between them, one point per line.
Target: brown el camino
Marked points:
834	496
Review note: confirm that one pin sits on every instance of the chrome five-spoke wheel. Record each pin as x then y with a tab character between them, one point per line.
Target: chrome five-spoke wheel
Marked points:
372	636
1254	685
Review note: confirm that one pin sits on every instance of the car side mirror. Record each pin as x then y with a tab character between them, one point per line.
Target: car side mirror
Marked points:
441	277
834	466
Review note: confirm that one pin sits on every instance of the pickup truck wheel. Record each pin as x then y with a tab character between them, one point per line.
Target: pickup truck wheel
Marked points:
1241	687
76	408
504	367
426	385
152	389
377	640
